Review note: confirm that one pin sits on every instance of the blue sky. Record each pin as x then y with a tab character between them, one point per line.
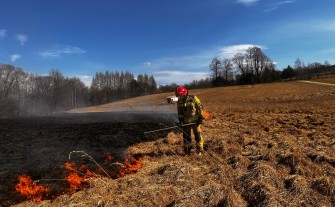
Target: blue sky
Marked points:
174	40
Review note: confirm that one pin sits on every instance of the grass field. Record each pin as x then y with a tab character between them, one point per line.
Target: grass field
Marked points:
325	80
266	145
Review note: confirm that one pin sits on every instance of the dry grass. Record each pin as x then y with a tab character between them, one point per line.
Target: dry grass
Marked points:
325	80
267	145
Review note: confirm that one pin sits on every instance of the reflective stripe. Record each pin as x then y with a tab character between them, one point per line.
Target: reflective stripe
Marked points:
190	109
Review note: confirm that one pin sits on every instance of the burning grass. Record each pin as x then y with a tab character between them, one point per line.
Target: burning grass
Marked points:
77	177
31	190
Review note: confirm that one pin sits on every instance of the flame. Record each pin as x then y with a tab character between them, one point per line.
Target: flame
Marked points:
77	177
207	115
70	166
76	181
131	165
29	189
86	171
108	158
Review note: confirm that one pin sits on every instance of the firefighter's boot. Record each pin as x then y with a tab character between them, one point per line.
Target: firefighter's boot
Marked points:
199	143
187	149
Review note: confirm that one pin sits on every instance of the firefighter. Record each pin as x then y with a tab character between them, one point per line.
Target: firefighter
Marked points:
190	110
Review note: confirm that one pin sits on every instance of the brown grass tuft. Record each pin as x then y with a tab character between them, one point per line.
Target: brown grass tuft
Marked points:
324	185
218	146
212	195
261	172
231	198
296	184
262	194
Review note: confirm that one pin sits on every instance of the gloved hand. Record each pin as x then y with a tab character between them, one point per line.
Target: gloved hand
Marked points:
180	123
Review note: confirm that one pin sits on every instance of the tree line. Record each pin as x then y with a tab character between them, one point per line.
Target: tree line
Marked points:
302	71
252	67
23	94
112	86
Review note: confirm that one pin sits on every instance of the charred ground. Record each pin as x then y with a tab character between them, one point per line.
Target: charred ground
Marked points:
39	146
267	145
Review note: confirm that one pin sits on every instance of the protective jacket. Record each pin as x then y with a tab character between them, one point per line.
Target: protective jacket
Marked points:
190	109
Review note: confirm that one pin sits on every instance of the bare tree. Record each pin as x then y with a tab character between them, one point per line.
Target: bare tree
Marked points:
327	64
11	86
239	61
227	69
215	67
41	95
152	84
257	61
111	86
57	89
297	64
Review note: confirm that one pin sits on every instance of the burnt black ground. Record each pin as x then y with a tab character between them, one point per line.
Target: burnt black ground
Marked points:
39	146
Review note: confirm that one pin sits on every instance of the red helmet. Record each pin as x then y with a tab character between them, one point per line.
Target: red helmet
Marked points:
181	91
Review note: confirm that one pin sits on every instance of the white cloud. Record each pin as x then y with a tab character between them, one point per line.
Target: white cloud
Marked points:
247	2
192	62
22	38
327	25
49	54
58	51
86	79
285	2
15	57
147	63
306	26
3	33
277	5
165	77
230	51
72	50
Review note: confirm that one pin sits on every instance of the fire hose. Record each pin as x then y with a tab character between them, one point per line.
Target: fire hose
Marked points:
158	130
215	158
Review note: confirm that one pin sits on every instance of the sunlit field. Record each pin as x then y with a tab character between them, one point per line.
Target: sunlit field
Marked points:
266	145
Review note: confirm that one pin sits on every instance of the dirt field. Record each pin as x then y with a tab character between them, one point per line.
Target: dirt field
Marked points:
266	145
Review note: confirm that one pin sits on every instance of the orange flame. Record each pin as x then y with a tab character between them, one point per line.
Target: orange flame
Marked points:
86	172
77	177
29	189
108	158
207	115
76	181
70	166
131	165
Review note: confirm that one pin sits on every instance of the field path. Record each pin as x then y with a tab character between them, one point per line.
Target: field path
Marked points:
319	83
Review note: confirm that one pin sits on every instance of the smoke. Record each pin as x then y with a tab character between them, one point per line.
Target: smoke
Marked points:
131	117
